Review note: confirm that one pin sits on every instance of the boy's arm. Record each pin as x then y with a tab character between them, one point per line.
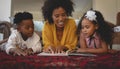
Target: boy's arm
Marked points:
17	51
37	48
11	43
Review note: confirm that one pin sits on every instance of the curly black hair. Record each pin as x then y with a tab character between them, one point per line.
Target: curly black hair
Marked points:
104	30
50	5
20	16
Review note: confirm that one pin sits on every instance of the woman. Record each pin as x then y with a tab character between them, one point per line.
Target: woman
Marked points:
59	31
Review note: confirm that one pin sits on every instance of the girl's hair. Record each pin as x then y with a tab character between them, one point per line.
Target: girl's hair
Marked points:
104	29
20	16
50	5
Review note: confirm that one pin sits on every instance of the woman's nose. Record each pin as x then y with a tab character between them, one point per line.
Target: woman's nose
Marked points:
60	18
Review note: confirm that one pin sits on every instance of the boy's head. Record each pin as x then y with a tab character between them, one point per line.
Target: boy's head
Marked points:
24	23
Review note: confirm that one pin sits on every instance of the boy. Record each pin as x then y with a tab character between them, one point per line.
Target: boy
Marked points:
23	40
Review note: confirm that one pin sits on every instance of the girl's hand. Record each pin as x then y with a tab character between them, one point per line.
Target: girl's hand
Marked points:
112	51
81	50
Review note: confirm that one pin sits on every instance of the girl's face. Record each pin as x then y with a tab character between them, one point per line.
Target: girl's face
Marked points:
88	28
26	28
59	17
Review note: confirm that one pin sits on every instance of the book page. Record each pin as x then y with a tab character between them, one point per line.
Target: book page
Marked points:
51	54
65	54
81	54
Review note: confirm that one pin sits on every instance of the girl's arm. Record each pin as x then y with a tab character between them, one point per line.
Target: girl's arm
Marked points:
83	47
83	43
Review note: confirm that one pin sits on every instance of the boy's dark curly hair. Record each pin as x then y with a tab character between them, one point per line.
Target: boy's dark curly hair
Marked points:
50	5
104	29
20	16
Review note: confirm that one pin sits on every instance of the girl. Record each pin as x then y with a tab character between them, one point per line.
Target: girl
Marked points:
95	33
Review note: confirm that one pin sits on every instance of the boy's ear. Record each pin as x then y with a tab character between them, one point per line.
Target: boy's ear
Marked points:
18	28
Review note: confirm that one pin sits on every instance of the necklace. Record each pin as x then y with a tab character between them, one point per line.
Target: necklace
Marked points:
59	32
59	29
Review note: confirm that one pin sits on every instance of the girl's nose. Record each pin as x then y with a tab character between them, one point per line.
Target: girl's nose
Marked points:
84	30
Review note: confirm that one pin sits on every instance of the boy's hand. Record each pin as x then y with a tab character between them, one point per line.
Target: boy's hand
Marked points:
29	51
16	51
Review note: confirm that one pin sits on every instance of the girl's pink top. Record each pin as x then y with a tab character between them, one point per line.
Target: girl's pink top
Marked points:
95	41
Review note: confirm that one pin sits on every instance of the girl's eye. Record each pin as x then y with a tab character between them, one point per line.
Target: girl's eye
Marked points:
87	27
82	27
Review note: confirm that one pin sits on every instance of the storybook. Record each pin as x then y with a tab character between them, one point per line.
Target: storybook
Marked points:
66	54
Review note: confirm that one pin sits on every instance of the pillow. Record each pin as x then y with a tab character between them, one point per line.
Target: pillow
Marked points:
38	25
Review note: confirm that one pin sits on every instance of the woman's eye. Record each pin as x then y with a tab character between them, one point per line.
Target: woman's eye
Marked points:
56	16
63	15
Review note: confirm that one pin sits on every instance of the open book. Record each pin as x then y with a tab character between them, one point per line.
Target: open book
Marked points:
51	54
81	54
65	54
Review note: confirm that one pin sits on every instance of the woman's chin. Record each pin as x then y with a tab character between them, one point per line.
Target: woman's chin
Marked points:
61	26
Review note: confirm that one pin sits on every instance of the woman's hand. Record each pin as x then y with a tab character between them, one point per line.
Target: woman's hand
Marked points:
61	49
50	49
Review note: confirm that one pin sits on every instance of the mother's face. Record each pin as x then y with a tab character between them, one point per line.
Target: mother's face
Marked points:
59	16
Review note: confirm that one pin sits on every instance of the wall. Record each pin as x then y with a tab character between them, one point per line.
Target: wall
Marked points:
118	5
5	10
32	6
108	8
81	6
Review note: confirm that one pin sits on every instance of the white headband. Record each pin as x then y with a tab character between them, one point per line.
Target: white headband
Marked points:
91	15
